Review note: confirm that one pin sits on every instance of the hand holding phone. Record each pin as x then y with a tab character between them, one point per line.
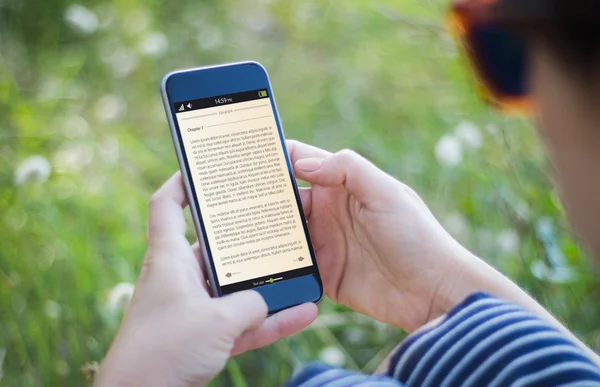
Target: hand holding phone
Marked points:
240	184
172	310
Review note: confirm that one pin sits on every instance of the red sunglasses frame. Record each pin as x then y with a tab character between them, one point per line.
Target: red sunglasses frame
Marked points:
464	15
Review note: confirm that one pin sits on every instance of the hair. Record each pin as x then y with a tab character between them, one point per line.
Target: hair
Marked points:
569	28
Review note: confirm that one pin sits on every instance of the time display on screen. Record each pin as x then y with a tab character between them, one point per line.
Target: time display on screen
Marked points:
222	100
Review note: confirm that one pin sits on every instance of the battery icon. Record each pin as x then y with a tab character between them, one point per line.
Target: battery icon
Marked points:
262	93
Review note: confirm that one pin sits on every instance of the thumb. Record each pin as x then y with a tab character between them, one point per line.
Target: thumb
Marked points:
356	174
246	310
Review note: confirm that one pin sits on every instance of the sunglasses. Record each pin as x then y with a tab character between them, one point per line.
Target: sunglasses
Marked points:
497	53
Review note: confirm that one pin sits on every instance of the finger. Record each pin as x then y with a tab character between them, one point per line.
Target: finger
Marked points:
367	183
306	198
166	215
245	310
276	327
169	262
298	150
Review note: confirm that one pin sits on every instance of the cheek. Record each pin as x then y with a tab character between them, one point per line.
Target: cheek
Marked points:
552	94
570	129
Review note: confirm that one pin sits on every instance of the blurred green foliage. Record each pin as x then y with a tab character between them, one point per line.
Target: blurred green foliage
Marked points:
79	87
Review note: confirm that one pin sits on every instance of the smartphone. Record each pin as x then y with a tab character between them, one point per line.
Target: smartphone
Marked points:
240	183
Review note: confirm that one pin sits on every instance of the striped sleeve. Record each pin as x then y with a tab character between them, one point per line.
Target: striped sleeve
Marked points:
489	342
482	342
322	375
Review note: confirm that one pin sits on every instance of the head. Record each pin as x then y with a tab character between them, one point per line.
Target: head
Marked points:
543	57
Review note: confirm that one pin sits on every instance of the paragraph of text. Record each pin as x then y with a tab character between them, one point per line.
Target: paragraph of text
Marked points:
238	167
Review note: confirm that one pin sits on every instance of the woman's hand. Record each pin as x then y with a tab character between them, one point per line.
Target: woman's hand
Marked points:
379	248
173	333
383	253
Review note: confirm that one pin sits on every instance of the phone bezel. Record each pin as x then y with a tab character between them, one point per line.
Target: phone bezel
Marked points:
211	81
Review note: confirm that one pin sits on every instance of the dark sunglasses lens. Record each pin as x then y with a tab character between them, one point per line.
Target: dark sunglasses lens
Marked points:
502	58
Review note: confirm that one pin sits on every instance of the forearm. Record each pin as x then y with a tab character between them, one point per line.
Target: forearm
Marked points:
118	371
129	365
127	372
475	275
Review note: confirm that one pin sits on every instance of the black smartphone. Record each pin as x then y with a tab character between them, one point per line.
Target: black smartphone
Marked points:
240	183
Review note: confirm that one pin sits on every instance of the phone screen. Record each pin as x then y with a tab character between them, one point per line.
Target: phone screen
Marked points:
239	176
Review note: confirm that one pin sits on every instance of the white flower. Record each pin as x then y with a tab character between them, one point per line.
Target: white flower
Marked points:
73	156
52	309
448	151
333	356
154	44
456	224
545	229
561	275
120	295
33	169
355	335
257	19
82	19
508	241
121	60
557	269
209	38
109	107
469	135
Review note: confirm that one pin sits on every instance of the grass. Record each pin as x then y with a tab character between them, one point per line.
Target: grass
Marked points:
380	77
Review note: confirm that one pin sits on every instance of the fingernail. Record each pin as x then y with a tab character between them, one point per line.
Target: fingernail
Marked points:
309	165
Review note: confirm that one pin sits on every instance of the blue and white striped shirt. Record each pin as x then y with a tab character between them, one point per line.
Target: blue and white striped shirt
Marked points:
482	342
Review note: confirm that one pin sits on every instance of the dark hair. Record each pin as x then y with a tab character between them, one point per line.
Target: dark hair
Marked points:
570	28
574	32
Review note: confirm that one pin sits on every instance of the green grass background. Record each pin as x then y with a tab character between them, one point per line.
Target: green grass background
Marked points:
381	77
